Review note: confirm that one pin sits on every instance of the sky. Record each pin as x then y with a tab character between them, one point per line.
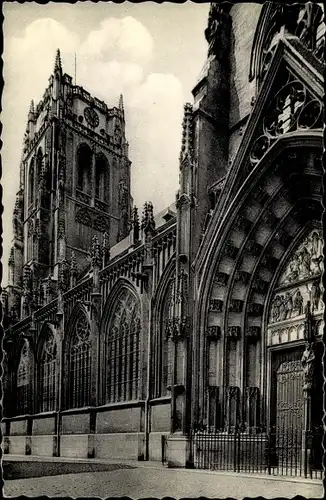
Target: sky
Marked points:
151	53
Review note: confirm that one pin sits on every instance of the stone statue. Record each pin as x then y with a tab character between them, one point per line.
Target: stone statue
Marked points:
276	309
298	304
288	302
304	263
282	308
315	295
307	361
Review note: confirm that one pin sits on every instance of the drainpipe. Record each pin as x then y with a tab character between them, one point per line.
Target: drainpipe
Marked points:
60	382
149	353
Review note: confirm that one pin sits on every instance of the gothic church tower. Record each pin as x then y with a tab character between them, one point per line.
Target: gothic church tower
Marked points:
74	184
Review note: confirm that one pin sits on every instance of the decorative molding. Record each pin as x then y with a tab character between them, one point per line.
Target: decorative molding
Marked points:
254	248
243	277
213	332
216	305
260	286
255	309
233	332
253	332
220	279
230	250
236	305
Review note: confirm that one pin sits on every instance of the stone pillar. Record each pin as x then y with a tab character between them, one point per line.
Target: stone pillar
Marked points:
308	366
210	164
96	255
60	375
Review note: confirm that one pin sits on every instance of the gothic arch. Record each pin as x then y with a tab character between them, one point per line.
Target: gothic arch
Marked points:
24	376
121	328
259	37
84	159
161	346
39	163
259	225
47	368
31	181
303	21
78	359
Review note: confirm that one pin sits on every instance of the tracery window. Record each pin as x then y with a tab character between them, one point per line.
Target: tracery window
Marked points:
122	349
305	21
80	364
84	169
162	355
48	374
23	381
100	175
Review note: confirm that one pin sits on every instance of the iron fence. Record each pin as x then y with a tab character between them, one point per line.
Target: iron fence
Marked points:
290	454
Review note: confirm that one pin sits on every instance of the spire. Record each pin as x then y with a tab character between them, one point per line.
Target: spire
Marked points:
187	133
121	107
57	64
31	111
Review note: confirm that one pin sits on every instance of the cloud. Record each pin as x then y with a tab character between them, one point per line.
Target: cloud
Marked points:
125	39
116	58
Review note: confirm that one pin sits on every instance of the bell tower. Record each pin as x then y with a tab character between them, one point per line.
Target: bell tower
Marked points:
74	185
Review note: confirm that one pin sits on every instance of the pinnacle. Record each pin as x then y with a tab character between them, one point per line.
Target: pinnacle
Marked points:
57	63
31	107
121	107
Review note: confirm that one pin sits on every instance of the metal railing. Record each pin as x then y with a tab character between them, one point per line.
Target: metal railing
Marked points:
289	453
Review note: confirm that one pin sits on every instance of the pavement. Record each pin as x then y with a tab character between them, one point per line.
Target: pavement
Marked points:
150	479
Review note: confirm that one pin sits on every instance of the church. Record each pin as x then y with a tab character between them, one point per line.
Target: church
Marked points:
179	335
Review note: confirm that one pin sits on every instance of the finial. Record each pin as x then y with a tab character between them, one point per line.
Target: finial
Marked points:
121	107
148	222
31	107
73	263
135	223
57	63
105	249
187	133
96	253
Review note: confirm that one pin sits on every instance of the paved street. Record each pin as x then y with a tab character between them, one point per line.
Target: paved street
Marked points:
141	482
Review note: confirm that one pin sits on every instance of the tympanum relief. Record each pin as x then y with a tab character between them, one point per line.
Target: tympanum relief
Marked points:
300	283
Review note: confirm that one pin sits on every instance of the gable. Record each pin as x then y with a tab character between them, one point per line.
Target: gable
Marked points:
288	108
290	81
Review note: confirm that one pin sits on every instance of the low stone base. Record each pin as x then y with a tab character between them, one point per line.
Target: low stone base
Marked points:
74	445
43	446
123	446
16	445
155	445
178	451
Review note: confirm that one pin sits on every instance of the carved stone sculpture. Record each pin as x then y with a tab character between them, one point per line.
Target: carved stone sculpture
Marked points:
307	361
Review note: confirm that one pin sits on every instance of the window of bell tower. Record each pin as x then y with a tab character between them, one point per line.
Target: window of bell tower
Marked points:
84	169
100	176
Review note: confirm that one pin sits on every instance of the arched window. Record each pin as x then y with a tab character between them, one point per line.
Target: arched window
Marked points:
122	349
100	176
48	373
23	382
31	182
162	347
80	364
39	163
84	169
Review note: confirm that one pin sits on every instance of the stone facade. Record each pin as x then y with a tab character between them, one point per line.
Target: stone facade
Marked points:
125	331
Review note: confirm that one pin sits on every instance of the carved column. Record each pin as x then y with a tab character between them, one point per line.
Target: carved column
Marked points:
308	366
96	262
232	419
